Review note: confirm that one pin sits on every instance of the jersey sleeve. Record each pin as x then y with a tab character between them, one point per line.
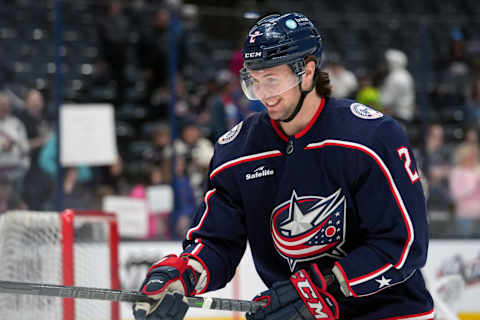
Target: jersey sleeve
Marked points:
391	204
217	237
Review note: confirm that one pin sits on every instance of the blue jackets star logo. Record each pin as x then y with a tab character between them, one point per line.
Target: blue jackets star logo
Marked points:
309	227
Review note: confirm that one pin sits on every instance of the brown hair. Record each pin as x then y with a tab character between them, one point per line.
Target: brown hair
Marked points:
322	80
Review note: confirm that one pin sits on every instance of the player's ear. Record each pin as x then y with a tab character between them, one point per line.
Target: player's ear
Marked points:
309	74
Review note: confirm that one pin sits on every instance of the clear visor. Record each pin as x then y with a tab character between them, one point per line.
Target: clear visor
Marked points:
264	84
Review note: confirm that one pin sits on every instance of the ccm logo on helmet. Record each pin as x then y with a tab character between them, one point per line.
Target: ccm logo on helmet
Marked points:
253	54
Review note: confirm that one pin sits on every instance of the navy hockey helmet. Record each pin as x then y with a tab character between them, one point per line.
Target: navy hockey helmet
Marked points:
281	39
277	40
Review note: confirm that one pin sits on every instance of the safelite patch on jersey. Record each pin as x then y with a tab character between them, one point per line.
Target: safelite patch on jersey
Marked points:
364	112
230	135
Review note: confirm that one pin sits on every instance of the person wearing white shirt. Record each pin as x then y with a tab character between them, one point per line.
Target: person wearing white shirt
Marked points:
14	148
397	92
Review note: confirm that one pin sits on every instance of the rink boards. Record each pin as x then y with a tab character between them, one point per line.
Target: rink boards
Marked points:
446	257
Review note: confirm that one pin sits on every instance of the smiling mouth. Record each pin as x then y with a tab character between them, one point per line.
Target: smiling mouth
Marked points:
272	105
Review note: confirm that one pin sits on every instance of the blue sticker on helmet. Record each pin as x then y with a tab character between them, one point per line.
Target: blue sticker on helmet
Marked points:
290	23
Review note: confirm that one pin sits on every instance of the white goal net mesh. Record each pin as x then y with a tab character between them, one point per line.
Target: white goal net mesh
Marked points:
61	249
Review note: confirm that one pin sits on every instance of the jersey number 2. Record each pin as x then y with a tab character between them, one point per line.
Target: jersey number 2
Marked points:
403	153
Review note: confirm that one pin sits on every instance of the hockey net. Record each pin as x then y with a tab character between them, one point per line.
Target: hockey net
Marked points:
73	248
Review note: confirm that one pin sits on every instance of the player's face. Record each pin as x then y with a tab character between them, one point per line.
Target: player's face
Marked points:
277	89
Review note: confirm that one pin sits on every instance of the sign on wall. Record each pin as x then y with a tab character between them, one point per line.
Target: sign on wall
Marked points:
132	215
87	135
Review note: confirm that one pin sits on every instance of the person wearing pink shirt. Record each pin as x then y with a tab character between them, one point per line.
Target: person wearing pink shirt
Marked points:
464	184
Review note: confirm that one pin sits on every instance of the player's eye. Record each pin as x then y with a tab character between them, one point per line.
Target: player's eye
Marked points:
271	82
254	81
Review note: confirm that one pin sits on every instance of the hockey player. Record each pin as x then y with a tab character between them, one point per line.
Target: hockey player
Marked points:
325	191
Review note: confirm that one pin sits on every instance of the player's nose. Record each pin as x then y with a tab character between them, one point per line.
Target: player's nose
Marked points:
264	94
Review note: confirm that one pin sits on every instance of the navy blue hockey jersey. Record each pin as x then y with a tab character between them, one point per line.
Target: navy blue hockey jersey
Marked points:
343	192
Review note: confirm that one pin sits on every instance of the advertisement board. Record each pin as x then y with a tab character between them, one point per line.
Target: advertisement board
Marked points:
456	261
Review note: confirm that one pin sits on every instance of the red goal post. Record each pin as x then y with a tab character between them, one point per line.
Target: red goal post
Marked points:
71	248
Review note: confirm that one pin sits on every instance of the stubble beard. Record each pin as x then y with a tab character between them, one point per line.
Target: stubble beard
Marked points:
280	115
287	113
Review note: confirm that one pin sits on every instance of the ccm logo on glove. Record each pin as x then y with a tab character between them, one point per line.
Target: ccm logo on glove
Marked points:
320	306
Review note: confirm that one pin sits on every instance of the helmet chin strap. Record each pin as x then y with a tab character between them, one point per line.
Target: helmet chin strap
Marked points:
303	94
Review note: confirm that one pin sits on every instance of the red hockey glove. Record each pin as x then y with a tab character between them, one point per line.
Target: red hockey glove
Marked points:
302	297
167	281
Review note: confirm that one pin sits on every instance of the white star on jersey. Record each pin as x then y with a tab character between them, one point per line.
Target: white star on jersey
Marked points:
299	222
383	282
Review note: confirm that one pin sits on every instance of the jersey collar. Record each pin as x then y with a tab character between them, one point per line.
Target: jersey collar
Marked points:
284	137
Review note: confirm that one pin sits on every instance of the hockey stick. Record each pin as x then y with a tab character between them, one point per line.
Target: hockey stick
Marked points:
51	290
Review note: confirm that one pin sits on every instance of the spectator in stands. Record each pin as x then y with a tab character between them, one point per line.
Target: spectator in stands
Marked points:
471	135
197	151
6	68
153	56
14	149
367	93
472	113
113	34
162	150
153	175
397	90
32	116
77	192
219	105
343	81
465	189
110	180
236	107
157	170
201	102
455	73
181	217
436	165
38	132
236	61
9	200
224	113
